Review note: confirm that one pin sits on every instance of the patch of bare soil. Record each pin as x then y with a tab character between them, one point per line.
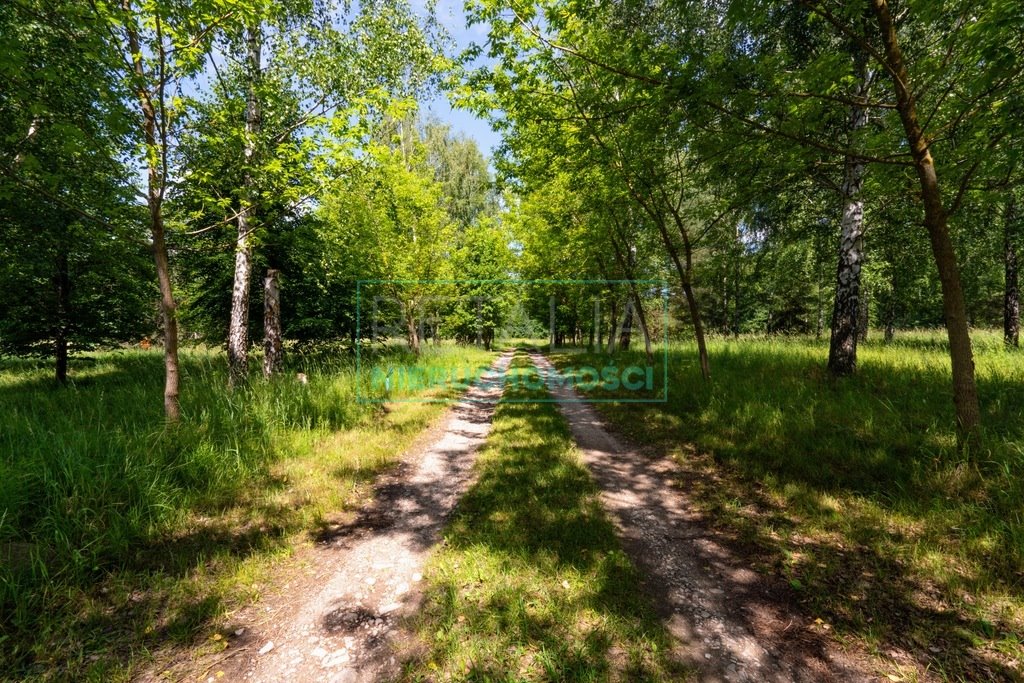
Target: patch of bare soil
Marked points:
340	622
731	623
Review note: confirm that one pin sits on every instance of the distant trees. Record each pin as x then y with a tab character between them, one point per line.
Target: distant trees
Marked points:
387	218
239	115
482	295
73	261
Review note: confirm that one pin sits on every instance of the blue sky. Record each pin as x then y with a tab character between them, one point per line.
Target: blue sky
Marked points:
451	15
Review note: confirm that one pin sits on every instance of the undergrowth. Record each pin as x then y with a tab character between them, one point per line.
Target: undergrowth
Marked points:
854	490
120	534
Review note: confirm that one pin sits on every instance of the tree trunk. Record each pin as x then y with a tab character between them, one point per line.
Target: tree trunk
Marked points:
864	313
626	257
168	308
63	315
723	326
593	335
551	323
691	299
965	393
684	275
238	329
890	312
272	349
842	351
626	330
736	308
412	331
642	318
1011	294
819	325
613	322
698	330
154	201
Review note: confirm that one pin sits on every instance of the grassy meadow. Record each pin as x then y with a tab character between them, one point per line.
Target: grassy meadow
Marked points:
531	583
854	490
119	535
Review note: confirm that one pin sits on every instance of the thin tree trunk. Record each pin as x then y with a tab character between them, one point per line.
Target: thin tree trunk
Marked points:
842	351
642	317
684	272
698	330
594	330
272	348
820	324
63	315
626	259
626	330
864	313
723	326
168	307
965	393
412	331
238	329
890	311
691	299
736	294
154	201
685	275
1011	294
552	341
613	323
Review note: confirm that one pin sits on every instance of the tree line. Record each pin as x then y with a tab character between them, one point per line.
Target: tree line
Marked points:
223	156
780	159
788	166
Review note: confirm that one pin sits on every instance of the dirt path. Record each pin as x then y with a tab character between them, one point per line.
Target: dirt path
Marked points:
732	623
339	625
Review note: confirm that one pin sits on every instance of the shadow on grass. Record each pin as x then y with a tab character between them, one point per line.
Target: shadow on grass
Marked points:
853	491
531	581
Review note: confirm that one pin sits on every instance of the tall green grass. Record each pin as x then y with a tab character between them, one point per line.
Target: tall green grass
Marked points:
101	501
854	489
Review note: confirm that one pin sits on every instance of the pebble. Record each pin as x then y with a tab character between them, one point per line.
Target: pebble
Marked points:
334	659
267	648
